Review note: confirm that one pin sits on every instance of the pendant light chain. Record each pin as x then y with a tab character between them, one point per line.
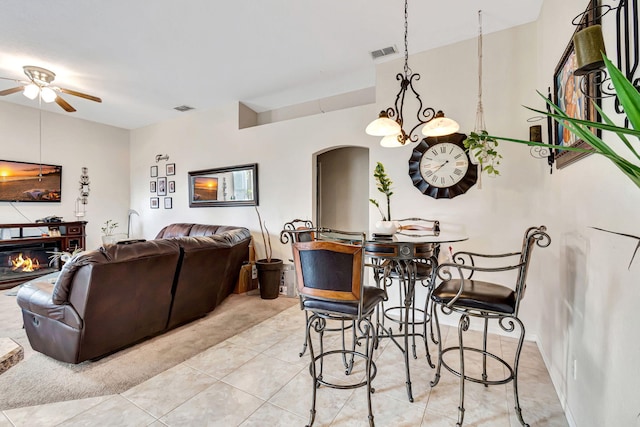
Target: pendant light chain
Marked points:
40	132
407	70
480	125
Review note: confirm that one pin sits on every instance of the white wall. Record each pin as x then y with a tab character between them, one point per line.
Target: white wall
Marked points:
284	152
74	144
589	312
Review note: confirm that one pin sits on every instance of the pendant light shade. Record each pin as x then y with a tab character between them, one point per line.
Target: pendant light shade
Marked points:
48	94
440	126
383	126
391	141
31	91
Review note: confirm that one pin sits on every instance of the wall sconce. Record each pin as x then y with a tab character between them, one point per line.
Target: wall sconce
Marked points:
535	135
589	46
83	199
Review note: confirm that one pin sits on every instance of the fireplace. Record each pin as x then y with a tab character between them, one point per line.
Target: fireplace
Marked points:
24	261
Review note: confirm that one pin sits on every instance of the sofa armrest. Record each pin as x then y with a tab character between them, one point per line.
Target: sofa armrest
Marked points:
36	297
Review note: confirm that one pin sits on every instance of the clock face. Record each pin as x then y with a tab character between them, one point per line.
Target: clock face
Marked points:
440	168
444	165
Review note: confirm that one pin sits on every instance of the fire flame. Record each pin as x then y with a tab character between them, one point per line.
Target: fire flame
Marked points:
25	264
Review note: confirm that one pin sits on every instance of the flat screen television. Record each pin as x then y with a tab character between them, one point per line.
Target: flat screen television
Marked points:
29	182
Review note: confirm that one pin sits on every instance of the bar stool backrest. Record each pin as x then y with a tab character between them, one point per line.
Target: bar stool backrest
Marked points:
329	270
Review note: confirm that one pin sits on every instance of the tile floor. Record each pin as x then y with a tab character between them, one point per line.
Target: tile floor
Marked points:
257	379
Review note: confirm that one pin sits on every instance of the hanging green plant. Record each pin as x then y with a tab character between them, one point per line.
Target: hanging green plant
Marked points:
483	148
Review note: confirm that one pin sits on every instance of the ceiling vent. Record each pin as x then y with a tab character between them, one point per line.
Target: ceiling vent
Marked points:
384	52
183	108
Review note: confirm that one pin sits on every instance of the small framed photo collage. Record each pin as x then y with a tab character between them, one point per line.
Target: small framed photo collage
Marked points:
161	186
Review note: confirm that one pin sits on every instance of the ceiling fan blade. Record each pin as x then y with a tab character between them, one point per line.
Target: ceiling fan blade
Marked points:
80	94
65	105
12	90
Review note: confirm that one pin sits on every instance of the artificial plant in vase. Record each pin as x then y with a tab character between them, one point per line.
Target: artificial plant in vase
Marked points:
383	184
269	268
108	237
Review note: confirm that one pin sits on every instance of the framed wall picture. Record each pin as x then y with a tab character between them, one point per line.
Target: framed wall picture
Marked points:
168	202
162	186
575	95
228	186
152	186
172	186
154	202
171	169
154	171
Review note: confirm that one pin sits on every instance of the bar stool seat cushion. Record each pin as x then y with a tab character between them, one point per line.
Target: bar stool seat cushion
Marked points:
477	295
371	297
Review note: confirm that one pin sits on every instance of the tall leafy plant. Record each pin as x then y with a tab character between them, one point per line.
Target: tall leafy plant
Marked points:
629	98
266	238
383	184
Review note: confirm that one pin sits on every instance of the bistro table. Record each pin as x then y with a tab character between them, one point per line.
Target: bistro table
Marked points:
401	252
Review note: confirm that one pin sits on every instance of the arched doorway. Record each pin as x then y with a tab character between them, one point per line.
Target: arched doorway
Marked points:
342	189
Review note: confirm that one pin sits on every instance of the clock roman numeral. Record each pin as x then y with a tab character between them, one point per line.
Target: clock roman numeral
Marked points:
435	152
443	150
457	171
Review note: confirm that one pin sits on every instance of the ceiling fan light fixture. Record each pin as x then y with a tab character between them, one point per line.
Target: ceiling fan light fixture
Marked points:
440	126
48	94
31	91
383	126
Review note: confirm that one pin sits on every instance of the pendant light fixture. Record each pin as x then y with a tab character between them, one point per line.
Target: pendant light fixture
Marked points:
390	122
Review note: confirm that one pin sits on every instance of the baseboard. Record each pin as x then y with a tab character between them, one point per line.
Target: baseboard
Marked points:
557	382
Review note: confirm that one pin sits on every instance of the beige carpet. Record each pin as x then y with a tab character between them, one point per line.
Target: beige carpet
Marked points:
38	379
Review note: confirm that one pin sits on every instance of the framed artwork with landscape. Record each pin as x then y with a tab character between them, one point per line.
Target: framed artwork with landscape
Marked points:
575	95
226	186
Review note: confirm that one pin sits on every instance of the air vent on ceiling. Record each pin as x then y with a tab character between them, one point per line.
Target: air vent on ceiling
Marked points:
183	108
384	52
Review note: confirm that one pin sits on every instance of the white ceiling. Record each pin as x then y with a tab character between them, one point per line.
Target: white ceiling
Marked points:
144	57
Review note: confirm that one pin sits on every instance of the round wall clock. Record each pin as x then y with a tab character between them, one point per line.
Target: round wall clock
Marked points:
440	167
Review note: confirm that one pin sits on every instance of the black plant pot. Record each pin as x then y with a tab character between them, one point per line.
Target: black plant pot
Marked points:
269	276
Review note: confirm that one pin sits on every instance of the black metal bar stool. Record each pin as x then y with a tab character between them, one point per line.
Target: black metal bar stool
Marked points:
472	298
330	282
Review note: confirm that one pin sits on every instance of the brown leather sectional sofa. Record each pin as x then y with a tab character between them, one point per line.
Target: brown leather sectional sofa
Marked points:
110	298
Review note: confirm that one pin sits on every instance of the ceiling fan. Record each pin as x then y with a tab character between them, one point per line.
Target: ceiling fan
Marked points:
39	84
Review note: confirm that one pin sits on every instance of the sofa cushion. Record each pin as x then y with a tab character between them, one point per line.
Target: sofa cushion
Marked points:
60	293
174	230
36	297
110	253
204	230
